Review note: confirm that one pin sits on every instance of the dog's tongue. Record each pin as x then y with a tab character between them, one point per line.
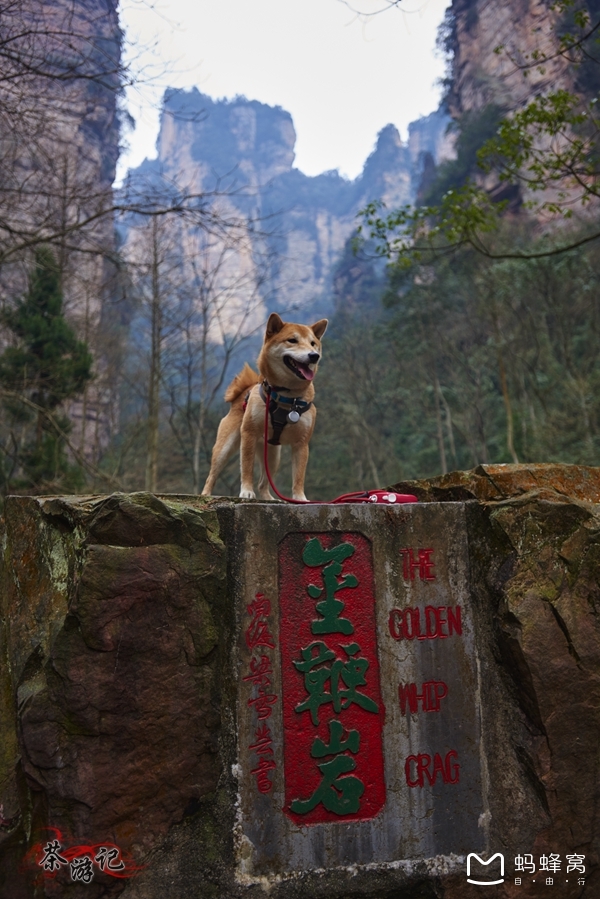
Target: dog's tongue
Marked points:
306	371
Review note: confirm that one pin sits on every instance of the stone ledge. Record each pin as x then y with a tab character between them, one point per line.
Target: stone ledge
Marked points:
120	626
497	483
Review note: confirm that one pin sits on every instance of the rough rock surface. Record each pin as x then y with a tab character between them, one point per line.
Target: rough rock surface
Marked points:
535	552
116	705
480	75
59	87
497	483
493	47
111	626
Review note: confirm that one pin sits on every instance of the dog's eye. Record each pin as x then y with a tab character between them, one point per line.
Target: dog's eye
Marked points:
292	340
312	343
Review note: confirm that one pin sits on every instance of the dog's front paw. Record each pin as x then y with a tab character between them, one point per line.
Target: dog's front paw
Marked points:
299	496
247	494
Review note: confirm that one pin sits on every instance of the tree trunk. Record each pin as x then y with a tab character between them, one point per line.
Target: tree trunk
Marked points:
505	393
508	408
197	446
438	419
202	393
449	425
155	370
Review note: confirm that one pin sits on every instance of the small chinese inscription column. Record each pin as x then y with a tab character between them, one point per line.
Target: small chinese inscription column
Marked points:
260	674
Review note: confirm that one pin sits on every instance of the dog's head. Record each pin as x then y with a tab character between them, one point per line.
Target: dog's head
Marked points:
291	353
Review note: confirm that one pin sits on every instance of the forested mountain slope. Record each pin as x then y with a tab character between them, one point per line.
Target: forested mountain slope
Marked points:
488	345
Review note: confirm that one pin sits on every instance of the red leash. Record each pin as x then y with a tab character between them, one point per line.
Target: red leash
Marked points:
373	496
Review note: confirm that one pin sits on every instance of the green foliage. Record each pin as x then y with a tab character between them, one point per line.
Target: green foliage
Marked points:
48	360
468	357
553	141
411	235
45	366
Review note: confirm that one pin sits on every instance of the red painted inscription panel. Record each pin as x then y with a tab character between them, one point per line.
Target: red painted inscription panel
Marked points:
332	710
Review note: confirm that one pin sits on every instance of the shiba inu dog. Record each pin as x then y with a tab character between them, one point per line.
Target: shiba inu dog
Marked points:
287	363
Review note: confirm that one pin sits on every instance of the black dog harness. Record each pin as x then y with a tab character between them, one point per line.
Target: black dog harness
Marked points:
282	409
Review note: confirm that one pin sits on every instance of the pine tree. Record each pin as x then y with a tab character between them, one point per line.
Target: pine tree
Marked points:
46	366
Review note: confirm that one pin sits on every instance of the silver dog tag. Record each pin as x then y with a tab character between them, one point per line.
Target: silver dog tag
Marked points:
293	416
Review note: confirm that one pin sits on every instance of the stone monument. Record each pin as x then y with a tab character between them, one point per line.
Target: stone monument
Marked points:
359	696
233	700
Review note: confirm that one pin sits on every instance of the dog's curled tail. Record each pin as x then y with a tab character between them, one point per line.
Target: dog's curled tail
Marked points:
243	382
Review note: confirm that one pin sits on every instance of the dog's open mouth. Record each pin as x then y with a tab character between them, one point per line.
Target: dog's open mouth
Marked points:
300	369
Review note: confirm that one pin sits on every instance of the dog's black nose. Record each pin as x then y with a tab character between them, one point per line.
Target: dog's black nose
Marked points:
313	357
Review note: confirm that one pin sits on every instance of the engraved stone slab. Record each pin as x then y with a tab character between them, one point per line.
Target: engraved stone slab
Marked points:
358	701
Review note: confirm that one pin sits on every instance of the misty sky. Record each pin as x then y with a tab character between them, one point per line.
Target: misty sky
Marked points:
341	76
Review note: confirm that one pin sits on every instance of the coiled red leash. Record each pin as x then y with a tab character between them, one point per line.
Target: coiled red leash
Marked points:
366	496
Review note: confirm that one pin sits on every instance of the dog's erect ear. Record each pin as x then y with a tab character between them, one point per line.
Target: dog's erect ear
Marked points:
274	325
319	328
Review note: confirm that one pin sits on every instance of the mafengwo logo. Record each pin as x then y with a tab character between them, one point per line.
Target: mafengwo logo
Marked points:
487	881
